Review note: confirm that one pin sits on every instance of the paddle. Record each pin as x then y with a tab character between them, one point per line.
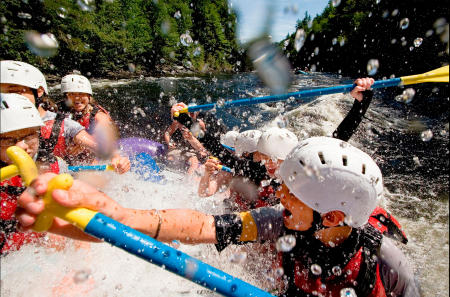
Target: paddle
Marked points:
90	167
124	237
437	75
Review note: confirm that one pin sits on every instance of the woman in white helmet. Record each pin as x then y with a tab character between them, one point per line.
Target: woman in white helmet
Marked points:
82	107
58	132
324	242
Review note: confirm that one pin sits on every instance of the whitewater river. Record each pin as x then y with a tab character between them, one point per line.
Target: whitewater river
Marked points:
414	164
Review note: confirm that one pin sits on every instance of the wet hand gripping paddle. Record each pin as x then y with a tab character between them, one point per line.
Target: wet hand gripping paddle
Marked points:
436	75
122	236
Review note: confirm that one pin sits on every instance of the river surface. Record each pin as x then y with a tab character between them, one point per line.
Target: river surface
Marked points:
415	168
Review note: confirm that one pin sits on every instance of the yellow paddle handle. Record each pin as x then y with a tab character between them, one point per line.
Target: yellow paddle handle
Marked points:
177	113
9	171
109	168
23	165
77	216
436	75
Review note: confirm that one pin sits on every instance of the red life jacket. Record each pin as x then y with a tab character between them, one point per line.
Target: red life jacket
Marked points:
380	223
52	141
88	119
10	238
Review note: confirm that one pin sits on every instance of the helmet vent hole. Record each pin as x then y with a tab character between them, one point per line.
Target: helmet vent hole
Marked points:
301	162
363	169
322	159
344	160
377	180
4	105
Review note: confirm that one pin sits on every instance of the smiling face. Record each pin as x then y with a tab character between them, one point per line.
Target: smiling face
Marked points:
78	101
27	139
271	165
297	215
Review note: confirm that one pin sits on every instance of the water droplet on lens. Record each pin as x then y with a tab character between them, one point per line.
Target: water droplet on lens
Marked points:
426	135
418	41
44	45
86	5
372	66
175	244
286	243
336	3
299	41
279	272
81	276
404	23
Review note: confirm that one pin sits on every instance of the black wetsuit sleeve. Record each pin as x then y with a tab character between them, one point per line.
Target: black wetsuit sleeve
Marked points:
260	224
397	276
348	126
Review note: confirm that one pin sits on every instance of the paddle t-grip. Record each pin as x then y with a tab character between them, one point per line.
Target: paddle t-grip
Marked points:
23	165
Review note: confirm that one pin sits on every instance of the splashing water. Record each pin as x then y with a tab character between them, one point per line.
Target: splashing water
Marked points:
335	3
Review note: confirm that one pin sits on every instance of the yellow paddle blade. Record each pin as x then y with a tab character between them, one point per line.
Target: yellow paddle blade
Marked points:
436	75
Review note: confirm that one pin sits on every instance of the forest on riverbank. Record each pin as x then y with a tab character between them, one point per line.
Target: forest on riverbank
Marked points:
114	37
401	37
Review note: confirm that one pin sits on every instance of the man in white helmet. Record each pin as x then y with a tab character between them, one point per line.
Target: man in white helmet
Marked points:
325	245
20	126
58	132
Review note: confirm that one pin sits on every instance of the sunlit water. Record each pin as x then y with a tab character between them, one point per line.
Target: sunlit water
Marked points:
415	171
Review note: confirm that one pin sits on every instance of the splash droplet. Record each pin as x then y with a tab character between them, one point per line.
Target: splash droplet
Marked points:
407	96
299	41
372	66
348	292
186	39
404	23
177	15
418	41
197	51
426	135
131	67
336	270
62	12
285	243
316	269
24	15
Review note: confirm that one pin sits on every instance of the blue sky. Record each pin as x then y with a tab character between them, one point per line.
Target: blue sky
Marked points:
253	16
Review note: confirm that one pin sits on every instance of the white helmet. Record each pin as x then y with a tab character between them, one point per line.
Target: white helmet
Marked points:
74	83
229	138
17	112
24	74
246	141
277	143
329	174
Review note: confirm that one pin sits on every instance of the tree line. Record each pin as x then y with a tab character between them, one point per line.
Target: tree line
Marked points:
103	37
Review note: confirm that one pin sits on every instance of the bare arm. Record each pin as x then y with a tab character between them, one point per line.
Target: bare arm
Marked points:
188	226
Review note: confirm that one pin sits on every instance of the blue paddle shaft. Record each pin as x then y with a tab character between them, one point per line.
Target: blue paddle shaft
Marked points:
155	252
296	95
227	169
87	167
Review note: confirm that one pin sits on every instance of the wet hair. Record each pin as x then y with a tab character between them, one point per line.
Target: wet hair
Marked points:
44	101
